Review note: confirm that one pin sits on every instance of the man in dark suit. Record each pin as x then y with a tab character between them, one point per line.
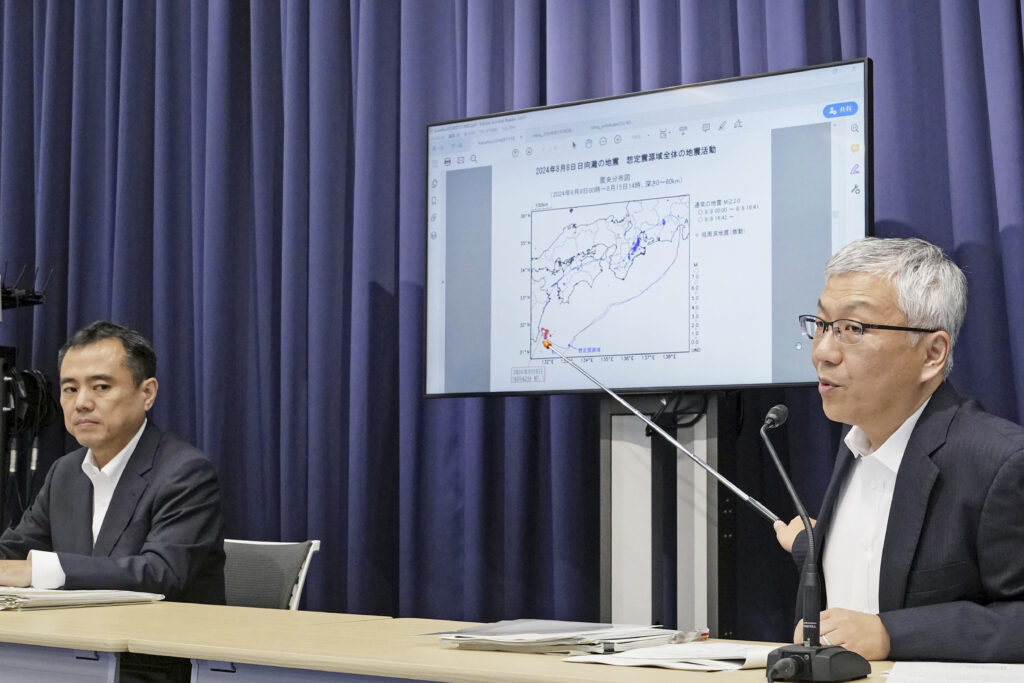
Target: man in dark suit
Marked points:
922	524
135	508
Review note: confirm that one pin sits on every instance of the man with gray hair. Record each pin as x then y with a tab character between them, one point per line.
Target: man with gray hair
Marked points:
922	524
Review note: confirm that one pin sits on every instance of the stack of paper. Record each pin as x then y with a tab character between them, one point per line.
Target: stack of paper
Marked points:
39	598
689	656
950	672
546	636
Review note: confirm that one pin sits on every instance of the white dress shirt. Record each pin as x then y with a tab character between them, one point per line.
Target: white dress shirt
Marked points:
852	558
46	569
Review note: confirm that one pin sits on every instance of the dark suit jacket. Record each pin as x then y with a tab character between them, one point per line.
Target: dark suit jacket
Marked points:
952	578
163	532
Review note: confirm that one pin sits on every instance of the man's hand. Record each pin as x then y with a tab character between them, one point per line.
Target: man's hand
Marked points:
787	533
16	573
858	632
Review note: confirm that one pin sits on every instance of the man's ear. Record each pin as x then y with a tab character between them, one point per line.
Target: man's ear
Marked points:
937	346
149	388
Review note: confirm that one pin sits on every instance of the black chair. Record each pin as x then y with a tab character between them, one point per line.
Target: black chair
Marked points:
266	574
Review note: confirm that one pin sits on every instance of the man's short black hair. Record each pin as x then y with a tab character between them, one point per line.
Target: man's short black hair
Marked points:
139	356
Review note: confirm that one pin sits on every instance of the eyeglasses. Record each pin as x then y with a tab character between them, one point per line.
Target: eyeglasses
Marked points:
846	331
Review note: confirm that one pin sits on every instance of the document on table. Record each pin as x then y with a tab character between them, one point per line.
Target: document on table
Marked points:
41	598
688	657
550	636
948	672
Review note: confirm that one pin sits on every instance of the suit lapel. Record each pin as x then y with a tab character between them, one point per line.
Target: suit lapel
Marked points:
80	520
914	482
133	483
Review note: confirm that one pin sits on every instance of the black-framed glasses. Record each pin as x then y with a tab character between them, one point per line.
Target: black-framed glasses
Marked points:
846	331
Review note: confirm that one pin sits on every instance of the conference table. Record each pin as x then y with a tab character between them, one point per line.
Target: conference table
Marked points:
235	644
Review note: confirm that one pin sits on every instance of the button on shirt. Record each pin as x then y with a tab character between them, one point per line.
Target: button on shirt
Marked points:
46	569
852	560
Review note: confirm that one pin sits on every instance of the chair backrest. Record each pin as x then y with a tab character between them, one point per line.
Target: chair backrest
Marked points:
265	573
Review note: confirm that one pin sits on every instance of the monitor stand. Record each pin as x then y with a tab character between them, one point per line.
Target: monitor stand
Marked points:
659	522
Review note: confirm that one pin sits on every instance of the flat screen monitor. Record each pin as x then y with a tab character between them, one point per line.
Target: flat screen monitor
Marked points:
663	240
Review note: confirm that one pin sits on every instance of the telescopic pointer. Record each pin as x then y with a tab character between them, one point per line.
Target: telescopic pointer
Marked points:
769	515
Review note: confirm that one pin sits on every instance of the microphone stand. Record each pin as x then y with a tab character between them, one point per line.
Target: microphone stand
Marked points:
768	514
809	661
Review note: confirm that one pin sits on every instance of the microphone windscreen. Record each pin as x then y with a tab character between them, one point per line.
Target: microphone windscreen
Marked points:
777	415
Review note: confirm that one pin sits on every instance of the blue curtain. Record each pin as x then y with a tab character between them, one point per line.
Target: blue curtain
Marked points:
244	183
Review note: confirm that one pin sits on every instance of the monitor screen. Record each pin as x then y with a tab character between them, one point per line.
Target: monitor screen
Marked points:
661	240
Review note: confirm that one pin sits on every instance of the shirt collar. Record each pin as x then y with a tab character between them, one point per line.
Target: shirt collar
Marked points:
891	452
115	467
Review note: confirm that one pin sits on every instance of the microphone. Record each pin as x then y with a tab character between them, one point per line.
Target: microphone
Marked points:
777	416
809	661
771	516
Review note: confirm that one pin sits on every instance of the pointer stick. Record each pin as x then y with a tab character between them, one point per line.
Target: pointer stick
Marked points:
769	515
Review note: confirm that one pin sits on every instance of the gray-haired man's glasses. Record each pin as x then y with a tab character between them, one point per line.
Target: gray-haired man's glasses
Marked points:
846	331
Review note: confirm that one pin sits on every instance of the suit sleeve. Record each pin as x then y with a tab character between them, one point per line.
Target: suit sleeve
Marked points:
184	529
33	531
987	630
799	549
800	552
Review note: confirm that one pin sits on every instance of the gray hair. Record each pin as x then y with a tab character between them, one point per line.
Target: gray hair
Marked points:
931	290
